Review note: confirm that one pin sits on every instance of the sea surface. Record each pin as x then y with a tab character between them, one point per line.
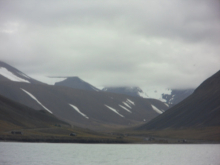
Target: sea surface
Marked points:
12	153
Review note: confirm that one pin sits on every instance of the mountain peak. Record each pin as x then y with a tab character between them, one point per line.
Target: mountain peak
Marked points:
73	78
76	83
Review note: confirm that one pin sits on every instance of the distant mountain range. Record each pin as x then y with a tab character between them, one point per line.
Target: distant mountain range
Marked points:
201	109
176	95
169	96
85	107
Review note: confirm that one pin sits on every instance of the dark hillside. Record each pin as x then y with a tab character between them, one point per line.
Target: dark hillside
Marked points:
21	123
201	109
13	113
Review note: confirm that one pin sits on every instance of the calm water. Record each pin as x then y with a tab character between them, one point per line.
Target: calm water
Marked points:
108	154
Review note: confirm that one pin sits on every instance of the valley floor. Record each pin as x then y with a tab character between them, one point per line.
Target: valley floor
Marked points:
189	135
59	134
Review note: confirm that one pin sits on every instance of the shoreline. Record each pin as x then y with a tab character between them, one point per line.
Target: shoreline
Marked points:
99	141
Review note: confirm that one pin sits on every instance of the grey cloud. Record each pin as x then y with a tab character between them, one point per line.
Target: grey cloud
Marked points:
172	44
189	20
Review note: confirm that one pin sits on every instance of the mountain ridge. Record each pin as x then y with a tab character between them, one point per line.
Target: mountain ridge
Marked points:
9	73
76	82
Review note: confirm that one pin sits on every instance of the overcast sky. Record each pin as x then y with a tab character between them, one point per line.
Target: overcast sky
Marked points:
170	44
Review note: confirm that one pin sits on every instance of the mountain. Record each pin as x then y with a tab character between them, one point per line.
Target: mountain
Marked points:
169	96
177	95
88	109
9	73
201	109
77	83
84	108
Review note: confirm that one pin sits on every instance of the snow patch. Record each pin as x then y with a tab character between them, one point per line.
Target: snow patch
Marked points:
162	100
33	97
9	75
170	101
114	110
166	104
127	105
143	95
125	108
156	109
156	93
130	101
74	107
